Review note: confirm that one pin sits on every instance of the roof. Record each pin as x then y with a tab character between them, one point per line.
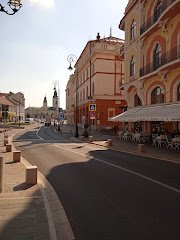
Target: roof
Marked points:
164	112
5	101
129	6
110	39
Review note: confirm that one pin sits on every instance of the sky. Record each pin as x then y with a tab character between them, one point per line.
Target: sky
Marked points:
36	41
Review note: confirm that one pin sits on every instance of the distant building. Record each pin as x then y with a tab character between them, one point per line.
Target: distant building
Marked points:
45	111
152	65
70	104
99	73
12	107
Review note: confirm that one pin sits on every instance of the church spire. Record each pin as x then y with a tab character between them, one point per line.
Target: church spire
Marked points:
45	102
110	33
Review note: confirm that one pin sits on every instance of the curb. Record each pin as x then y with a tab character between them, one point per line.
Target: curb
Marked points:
64	229
130	152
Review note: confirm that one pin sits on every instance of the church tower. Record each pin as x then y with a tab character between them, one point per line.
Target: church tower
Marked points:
55	99
45	102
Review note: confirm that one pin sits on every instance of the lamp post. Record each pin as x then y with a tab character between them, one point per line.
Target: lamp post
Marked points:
72	58
20	106
14	5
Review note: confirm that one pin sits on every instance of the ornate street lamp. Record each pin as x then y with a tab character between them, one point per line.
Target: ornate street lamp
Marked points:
14	5
72	58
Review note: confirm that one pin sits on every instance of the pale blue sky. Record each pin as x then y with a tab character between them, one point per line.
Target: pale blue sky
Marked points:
35	42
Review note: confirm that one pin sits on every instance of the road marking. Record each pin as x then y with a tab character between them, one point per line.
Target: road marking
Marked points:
37	134
27	139
124	169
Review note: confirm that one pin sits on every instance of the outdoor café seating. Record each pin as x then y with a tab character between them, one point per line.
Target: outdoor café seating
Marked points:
176	142
158	140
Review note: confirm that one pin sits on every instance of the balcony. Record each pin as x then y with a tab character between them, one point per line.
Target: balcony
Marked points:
156	16
166	58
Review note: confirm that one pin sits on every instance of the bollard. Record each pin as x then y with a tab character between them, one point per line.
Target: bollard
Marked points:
109	143
8	147
31	175
16	156
6	142
1	172
90	139
140	147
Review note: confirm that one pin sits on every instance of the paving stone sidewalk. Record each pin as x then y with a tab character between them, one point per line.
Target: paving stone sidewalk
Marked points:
29	212
22	210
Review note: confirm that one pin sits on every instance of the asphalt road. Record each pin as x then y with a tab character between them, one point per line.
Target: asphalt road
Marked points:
106	194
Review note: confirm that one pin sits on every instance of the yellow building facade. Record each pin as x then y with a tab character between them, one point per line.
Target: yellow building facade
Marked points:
152	64
99	73
70	100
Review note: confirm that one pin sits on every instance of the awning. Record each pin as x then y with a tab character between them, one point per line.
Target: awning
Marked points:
165	112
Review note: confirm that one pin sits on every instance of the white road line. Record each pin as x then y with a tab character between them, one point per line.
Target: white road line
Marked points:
38	134
27	139
124	169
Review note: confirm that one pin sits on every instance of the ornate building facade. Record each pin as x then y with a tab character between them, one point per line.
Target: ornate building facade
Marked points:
97	79
152	64
70	101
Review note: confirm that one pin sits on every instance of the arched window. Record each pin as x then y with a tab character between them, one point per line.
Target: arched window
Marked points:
77	97
93	89
157	10
92	69
137	101
132	67
133	29
157	56
178	93
80	95
87	91
157	95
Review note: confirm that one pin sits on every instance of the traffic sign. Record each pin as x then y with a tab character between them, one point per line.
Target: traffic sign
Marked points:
92	107
92	115
61	116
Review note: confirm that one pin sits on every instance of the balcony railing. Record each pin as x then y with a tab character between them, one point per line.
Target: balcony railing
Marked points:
167	57
155	17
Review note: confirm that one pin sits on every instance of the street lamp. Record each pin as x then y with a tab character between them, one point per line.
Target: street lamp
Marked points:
72	58
20	101
15	5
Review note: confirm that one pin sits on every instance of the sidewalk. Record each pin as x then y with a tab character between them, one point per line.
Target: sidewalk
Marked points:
129	146
29	212
149	150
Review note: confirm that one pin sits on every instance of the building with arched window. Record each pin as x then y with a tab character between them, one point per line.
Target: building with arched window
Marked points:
152	63
99	73
133	29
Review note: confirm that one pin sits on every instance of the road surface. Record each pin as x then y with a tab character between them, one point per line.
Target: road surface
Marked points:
106	194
